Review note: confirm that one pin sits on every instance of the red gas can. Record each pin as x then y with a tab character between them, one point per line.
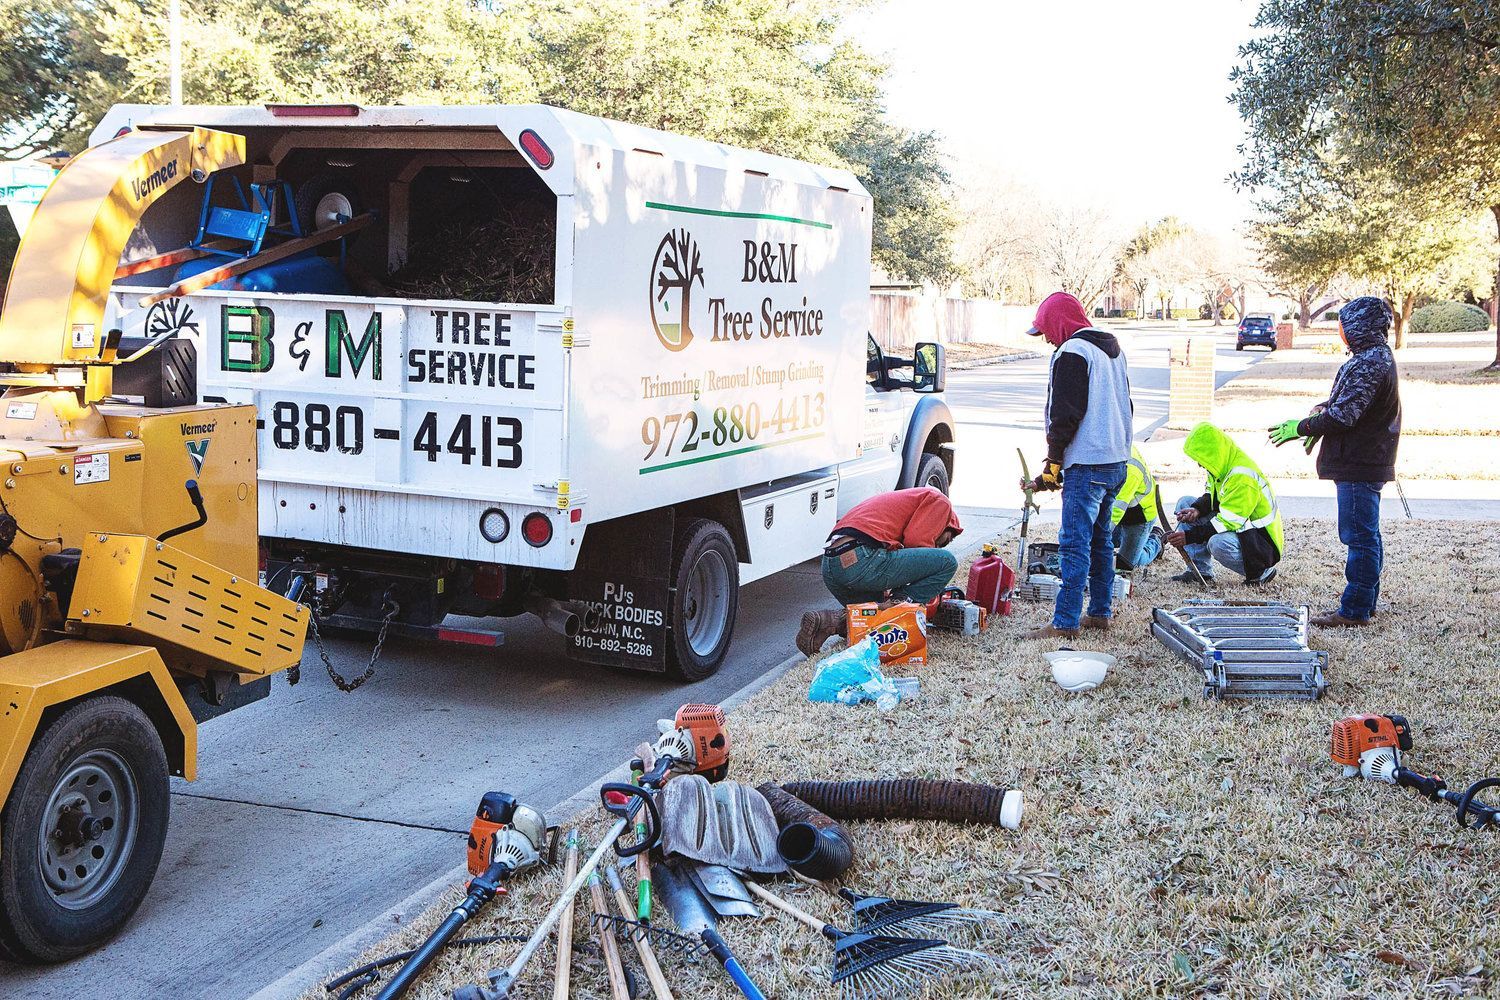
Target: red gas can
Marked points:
991	582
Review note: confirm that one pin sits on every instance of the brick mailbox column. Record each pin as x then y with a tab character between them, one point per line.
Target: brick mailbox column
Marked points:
1284	336
1191	390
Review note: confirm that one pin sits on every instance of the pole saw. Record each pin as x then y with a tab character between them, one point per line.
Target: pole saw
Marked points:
1028	504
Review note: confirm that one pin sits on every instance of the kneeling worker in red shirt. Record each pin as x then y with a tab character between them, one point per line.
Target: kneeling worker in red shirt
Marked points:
888	548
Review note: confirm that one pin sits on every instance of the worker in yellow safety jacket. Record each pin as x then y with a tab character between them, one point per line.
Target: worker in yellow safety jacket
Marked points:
1236	522
1138	536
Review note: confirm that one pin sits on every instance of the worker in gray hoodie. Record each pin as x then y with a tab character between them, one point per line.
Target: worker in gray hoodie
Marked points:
1088	421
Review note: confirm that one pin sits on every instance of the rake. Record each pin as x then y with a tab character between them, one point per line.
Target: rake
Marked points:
877	966
882	914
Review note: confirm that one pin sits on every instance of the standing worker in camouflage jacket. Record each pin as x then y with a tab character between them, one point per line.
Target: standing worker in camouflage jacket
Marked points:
1359	426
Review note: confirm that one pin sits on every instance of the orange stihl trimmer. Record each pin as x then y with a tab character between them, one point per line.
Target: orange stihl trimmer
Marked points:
1371	745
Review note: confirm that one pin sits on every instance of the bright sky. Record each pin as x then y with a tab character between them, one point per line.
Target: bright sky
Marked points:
1118	103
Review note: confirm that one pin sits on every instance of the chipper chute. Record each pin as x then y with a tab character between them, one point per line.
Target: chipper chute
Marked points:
114	642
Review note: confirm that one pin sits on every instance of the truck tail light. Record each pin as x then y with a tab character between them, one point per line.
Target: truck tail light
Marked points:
536	528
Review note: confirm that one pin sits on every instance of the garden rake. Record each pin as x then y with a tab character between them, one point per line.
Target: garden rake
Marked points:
884	915
877	966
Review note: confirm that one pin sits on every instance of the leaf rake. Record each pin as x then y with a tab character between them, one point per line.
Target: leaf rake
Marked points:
879	966
884	915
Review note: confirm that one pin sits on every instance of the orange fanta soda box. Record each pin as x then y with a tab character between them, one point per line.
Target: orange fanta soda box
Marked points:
900	631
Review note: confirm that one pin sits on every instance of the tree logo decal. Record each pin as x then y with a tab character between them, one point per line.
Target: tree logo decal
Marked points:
678	264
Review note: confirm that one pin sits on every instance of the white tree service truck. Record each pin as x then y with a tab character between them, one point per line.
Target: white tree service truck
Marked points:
681	397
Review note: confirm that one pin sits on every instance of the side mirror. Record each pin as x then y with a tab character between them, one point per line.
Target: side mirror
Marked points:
929	368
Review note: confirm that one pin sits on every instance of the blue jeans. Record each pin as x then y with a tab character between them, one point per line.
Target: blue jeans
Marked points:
1085	542
1135	545
911	574
1359	529
1223	547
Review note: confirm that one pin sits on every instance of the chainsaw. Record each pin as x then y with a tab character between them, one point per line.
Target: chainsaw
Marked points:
1370	746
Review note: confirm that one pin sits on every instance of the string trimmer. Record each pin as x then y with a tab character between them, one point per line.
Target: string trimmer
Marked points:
1028	504
506	837
1371	746
695	742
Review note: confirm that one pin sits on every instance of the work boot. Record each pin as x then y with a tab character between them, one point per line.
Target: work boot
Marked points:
1270	575
1335	620
1099	622
817	628
1188	576
1050	631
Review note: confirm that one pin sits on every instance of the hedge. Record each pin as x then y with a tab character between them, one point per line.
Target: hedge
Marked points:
1449	317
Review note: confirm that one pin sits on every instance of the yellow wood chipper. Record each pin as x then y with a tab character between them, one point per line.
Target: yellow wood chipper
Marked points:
129	608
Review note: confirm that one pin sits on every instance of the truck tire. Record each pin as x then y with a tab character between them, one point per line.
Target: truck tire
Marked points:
933	472
705	599
82	832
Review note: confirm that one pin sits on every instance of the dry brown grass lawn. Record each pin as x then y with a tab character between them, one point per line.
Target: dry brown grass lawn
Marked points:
1450	426
979	352
1202	848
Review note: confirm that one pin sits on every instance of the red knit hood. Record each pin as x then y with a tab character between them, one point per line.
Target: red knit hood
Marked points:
1059	317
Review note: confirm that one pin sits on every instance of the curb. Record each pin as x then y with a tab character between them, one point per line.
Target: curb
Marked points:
963	366
343	952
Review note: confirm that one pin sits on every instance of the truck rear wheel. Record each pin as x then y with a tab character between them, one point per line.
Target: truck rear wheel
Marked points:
82	832
705	599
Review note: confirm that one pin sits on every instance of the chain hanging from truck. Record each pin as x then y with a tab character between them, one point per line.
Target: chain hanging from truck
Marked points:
391	608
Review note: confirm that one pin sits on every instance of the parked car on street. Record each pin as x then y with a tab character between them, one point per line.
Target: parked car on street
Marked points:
1256	330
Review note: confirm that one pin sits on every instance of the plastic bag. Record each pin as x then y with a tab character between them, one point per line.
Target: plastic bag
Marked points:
853	675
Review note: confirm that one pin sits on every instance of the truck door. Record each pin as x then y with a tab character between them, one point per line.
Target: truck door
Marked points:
883	427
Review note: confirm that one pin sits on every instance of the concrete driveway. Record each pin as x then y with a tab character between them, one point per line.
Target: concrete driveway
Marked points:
315	811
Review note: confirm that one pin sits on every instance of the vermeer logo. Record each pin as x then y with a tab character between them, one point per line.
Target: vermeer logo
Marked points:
157	178
678	264
198	451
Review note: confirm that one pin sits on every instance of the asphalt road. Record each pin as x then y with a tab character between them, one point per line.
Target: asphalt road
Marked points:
315	811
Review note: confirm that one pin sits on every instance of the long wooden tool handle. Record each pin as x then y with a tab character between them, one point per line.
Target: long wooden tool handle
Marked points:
214	275
565	923
612	963
766	896
642	943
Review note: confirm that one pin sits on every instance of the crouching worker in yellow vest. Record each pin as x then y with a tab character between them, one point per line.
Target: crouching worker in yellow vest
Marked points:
1236	522
1138	536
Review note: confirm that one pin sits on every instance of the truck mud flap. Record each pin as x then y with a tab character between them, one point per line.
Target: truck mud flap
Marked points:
625	571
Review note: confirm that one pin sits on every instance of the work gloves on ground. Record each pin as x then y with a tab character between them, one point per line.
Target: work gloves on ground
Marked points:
1051	477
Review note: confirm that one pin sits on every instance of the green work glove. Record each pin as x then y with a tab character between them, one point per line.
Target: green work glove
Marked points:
1309	443
1284	432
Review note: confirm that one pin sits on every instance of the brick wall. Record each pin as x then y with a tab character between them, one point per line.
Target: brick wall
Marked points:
1190	397
1284	333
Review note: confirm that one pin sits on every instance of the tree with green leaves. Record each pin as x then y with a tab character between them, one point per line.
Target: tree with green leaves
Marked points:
775	75
1408	85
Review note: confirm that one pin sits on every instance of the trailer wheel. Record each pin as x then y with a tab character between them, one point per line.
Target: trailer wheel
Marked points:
82	832
933	472
705	600
326	199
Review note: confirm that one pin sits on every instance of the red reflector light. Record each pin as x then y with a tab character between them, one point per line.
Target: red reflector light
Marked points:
313	110
536	529
575	515
124	130
538	150
468	638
